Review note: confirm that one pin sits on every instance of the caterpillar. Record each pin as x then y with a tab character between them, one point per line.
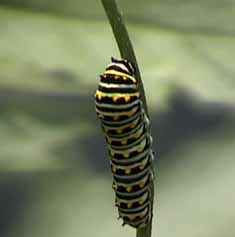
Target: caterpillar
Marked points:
126	128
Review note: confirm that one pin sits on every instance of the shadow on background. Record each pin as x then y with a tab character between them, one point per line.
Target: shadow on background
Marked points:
185	119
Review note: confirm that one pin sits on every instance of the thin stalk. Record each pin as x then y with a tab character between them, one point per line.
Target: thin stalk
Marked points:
123	41
127	52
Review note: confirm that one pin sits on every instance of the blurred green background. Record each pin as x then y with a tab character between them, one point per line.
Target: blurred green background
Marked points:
54	175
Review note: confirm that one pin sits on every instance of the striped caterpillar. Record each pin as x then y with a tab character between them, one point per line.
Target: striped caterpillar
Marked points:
126	129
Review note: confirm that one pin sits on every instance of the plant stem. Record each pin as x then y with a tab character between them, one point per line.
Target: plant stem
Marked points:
123	41
126	50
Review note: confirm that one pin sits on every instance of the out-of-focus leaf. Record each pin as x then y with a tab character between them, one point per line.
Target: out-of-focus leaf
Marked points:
205	16
53	53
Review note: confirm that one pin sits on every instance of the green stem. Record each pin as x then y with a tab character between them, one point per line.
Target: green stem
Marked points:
126	50
123	40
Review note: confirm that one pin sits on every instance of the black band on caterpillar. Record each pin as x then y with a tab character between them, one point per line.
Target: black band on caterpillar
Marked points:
126	127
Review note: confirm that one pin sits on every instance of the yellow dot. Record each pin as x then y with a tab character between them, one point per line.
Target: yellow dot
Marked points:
114	186
142	185
141	167
136	136
124	142
132	112
127	98
141	202
98	96
131	218
140	149
126	155
132	125
114	169
119	131
114	98
115	117
127	171
128	189
124	78
129	205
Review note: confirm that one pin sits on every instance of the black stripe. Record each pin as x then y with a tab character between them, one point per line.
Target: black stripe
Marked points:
136	223
128	211
116	124
147	156
133	143
115	108
118	106
116	79
117	68
120	118
119	155
129	141
125	62
135	188
134	170
128	179
136	207
132	195
109	100
129	161
117	90
131	180
131	198
112	133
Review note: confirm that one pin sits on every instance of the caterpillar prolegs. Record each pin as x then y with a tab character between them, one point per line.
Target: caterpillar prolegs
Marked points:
126	129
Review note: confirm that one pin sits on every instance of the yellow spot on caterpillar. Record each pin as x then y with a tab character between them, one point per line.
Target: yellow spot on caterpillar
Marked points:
126	155
128	189
141	185
100	115
113	72
119	131
137	136
98	95
124	142
127	171
112	153
129	205
124	78
140	149
132	125
114	169
141	202
114	186
115	117
132	112
141	167
127	98
131	218
115	98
